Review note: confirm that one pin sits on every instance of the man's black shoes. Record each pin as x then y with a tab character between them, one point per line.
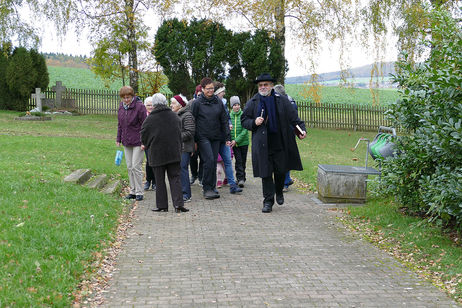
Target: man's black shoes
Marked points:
280	199
210	194
267	208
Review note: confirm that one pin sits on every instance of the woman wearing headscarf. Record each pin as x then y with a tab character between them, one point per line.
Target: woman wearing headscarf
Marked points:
179	104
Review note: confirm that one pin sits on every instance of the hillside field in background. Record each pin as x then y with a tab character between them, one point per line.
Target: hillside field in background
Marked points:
344	95
78	78
84	78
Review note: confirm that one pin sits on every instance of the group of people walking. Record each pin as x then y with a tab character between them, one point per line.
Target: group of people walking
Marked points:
172	137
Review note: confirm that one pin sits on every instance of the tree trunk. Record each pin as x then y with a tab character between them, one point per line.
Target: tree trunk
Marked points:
122	69
280	31
131	37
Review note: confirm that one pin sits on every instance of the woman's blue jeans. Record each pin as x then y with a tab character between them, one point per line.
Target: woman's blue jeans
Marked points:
184	173
225	153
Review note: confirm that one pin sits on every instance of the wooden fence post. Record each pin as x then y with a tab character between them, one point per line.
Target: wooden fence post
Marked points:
355	118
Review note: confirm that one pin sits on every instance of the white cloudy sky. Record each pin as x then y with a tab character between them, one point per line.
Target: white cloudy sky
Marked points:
327	60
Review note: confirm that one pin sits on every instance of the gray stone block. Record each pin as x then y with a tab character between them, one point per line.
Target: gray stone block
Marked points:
98	181
32	118
79	176
112	187
342	184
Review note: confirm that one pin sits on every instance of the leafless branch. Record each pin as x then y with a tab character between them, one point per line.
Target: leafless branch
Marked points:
296	17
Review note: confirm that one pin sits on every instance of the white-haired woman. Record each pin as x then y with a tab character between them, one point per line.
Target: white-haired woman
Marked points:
179	104
161	134
150	179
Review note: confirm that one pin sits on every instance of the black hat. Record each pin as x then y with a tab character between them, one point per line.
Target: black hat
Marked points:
265	77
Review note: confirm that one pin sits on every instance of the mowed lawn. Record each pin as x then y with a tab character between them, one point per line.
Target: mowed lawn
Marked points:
51	231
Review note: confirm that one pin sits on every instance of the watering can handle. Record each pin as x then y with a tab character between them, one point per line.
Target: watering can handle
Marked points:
391	130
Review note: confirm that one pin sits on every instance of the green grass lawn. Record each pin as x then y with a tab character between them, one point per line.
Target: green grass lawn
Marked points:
423	247
51	231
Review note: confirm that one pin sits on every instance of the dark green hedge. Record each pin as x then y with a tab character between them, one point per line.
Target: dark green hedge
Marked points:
426	176
21	71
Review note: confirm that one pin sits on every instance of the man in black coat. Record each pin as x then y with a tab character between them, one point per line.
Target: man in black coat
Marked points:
161	135
270	117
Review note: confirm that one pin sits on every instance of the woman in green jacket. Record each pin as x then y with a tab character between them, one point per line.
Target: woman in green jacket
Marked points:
239	140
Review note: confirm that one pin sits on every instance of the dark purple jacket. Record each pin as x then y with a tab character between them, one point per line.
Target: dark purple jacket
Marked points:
130	121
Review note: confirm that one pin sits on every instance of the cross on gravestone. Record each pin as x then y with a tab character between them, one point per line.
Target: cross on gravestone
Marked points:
59	89
38	98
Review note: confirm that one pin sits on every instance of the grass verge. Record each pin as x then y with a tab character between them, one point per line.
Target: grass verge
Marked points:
423	247
332	147
51	231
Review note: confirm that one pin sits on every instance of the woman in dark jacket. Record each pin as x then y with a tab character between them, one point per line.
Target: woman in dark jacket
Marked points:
161	133
179	104
131	115
211	129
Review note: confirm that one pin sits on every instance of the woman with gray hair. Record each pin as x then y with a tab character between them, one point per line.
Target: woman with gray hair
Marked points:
161	134
150	179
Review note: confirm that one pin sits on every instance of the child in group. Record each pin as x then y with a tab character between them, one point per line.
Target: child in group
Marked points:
220	171
221	175
239	140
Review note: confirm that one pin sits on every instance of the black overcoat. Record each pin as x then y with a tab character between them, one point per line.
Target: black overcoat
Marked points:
188	128
288	118
161	134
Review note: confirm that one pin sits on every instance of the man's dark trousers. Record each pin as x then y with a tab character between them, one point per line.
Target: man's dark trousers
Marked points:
270	186
240	154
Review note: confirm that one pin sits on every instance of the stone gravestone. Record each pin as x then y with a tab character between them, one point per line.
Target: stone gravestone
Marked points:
59	89
38	96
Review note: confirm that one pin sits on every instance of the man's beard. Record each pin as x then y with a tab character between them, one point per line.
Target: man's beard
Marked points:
265	93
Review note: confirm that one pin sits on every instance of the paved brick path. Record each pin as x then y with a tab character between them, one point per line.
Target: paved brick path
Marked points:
227	253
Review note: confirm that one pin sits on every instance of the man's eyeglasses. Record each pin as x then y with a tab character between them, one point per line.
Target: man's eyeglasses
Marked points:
209	89
264	84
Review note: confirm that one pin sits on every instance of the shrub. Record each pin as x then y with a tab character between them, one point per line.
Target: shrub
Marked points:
20	77
21	71
427	174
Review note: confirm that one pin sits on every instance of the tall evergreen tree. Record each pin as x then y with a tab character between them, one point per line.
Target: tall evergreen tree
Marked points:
208	49
171	52
21	71
5	97
20	77
40	66
187	53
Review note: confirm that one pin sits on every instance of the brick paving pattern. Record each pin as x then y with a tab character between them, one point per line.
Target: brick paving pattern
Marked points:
227	253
